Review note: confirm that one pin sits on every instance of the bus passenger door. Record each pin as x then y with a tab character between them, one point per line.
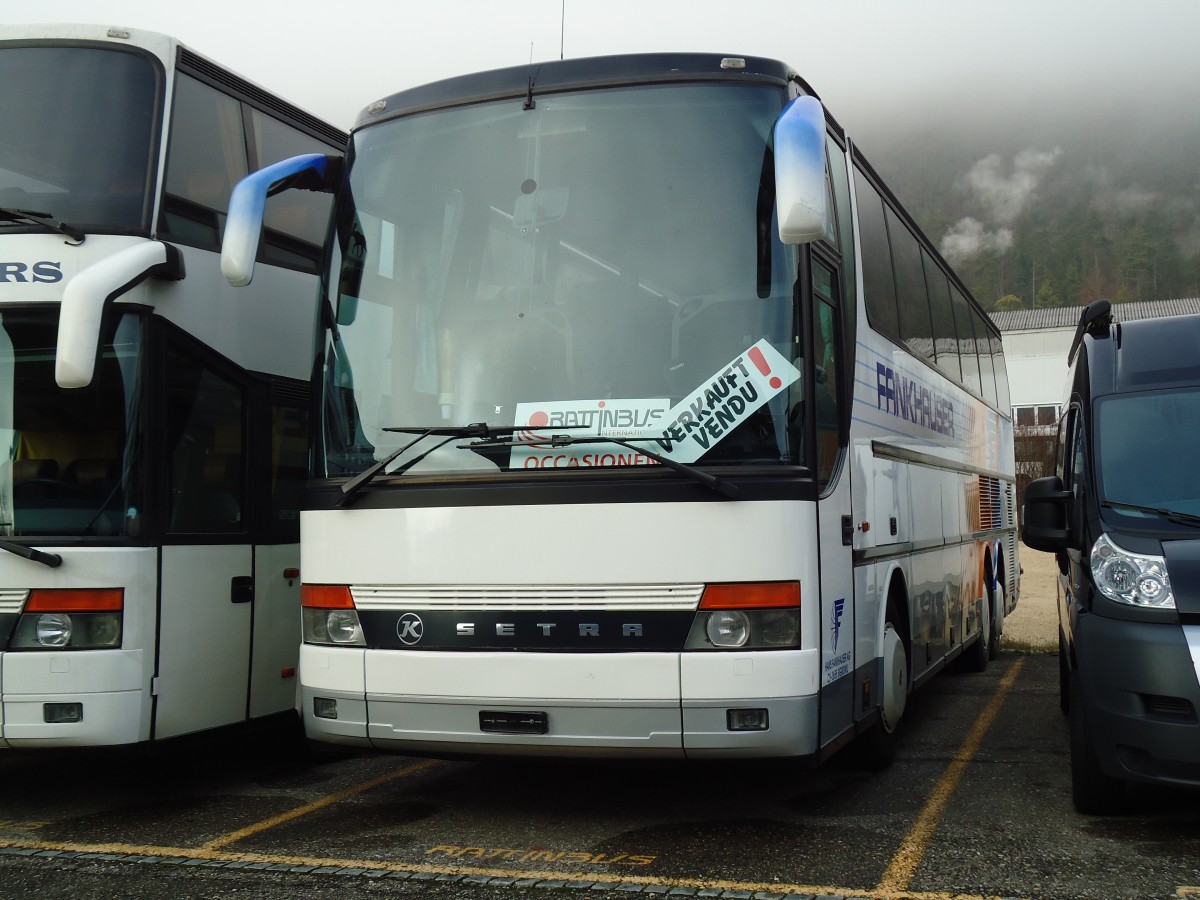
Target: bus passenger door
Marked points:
277	636
206	590
833	509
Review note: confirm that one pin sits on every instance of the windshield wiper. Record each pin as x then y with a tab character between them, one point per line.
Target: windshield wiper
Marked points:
712	482
452	432
1170	515
53	560
45	220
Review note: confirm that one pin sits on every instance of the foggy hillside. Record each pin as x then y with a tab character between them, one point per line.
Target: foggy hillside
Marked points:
1055	207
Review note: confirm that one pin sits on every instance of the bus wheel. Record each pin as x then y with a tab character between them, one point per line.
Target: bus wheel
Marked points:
1093	791
977	655
879	743
996	621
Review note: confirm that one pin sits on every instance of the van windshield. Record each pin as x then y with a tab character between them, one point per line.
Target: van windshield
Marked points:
1147	447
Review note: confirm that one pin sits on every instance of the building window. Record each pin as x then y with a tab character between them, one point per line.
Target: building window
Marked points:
1036	415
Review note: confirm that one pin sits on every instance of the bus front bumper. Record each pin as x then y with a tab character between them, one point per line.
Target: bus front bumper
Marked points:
49	699
637	705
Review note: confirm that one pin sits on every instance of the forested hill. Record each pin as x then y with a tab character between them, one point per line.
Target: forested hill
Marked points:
1057	209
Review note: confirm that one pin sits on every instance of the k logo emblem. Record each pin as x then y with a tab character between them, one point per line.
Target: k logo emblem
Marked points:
409	628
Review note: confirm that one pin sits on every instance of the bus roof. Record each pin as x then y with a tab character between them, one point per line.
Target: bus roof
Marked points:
576	74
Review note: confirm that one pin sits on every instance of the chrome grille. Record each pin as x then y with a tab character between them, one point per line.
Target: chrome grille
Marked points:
534	596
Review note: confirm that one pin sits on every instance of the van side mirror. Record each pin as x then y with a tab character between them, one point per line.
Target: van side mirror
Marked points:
1044	515
800	192
247	206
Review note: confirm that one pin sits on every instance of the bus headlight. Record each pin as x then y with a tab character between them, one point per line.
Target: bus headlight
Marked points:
753	616
343	627
67	631
70	619
728	628
1133	579
53	629
333	626
329	616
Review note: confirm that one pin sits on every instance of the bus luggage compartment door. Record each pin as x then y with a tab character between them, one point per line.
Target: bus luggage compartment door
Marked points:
204	639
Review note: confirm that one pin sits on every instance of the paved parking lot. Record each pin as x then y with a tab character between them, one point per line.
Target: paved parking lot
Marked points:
976	805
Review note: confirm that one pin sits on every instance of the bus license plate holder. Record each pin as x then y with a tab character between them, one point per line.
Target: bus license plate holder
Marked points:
513	721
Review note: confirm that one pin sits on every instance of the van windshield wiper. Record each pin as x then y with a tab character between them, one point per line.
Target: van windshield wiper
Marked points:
712	482
42	219
53	560
1170	515
451	432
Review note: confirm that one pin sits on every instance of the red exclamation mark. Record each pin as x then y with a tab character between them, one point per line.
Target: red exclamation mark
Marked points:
756	356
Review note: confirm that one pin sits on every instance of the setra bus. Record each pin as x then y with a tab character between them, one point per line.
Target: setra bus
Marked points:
650	424
155	422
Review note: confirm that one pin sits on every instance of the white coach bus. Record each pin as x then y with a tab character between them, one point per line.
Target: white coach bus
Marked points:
650	425
155	421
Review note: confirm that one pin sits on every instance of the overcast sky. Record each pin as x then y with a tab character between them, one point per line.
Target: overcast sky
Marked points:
961	56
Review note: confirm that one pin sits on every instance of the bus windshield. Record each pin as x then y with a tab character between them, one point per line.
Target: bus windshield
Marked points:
78	136
71	467
603	263
1138	472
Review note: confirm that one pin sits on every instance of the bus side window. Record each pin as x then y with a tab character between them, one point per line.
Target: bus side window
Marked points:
945	339
879	284
206	448
205	159
916	325
301	215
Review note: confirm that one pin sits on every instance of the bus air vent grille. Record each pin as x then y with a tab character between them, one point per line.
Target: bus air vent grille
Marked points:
540	596
12	600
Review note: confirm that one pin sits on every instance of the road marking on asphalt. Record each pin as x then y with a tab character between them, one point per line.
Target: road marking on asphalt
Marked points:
893	886
234	836
900	871
321	865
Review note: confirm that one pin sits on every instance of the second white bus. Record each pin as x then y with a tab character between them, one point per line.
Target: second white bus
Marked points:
154	421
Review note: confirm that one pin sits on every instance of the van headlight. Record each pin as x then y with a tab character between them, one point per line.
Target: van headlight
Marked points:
1131	578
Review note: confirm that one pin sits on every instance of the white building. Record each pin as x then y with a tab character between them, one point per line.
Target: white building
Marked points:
1036	344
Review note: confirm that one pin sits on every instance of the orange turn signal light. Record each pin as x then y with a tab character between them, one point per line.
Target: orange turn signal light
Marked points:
751	595
326	596
42	600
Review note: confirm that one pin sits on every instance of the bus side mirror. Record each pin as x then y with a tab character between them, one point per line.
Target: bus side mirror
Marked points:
800	192
89	292
1045	515
247	206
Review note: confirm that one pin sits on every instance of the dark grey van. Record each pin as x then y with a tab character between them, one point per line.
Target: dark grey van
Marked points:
1122	515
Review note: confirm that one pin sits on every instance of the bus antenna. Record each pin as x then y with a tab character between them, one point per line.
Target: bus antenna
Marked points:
529	104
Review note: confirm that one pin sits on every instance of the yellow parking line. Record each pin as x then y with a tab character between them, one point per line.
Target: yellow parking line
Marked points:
612	879
235	836
899	873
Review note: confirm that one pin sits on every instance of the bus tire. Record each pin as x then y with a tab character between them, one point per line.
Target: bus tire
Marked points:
878	744
1093	791
998	602
979	653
